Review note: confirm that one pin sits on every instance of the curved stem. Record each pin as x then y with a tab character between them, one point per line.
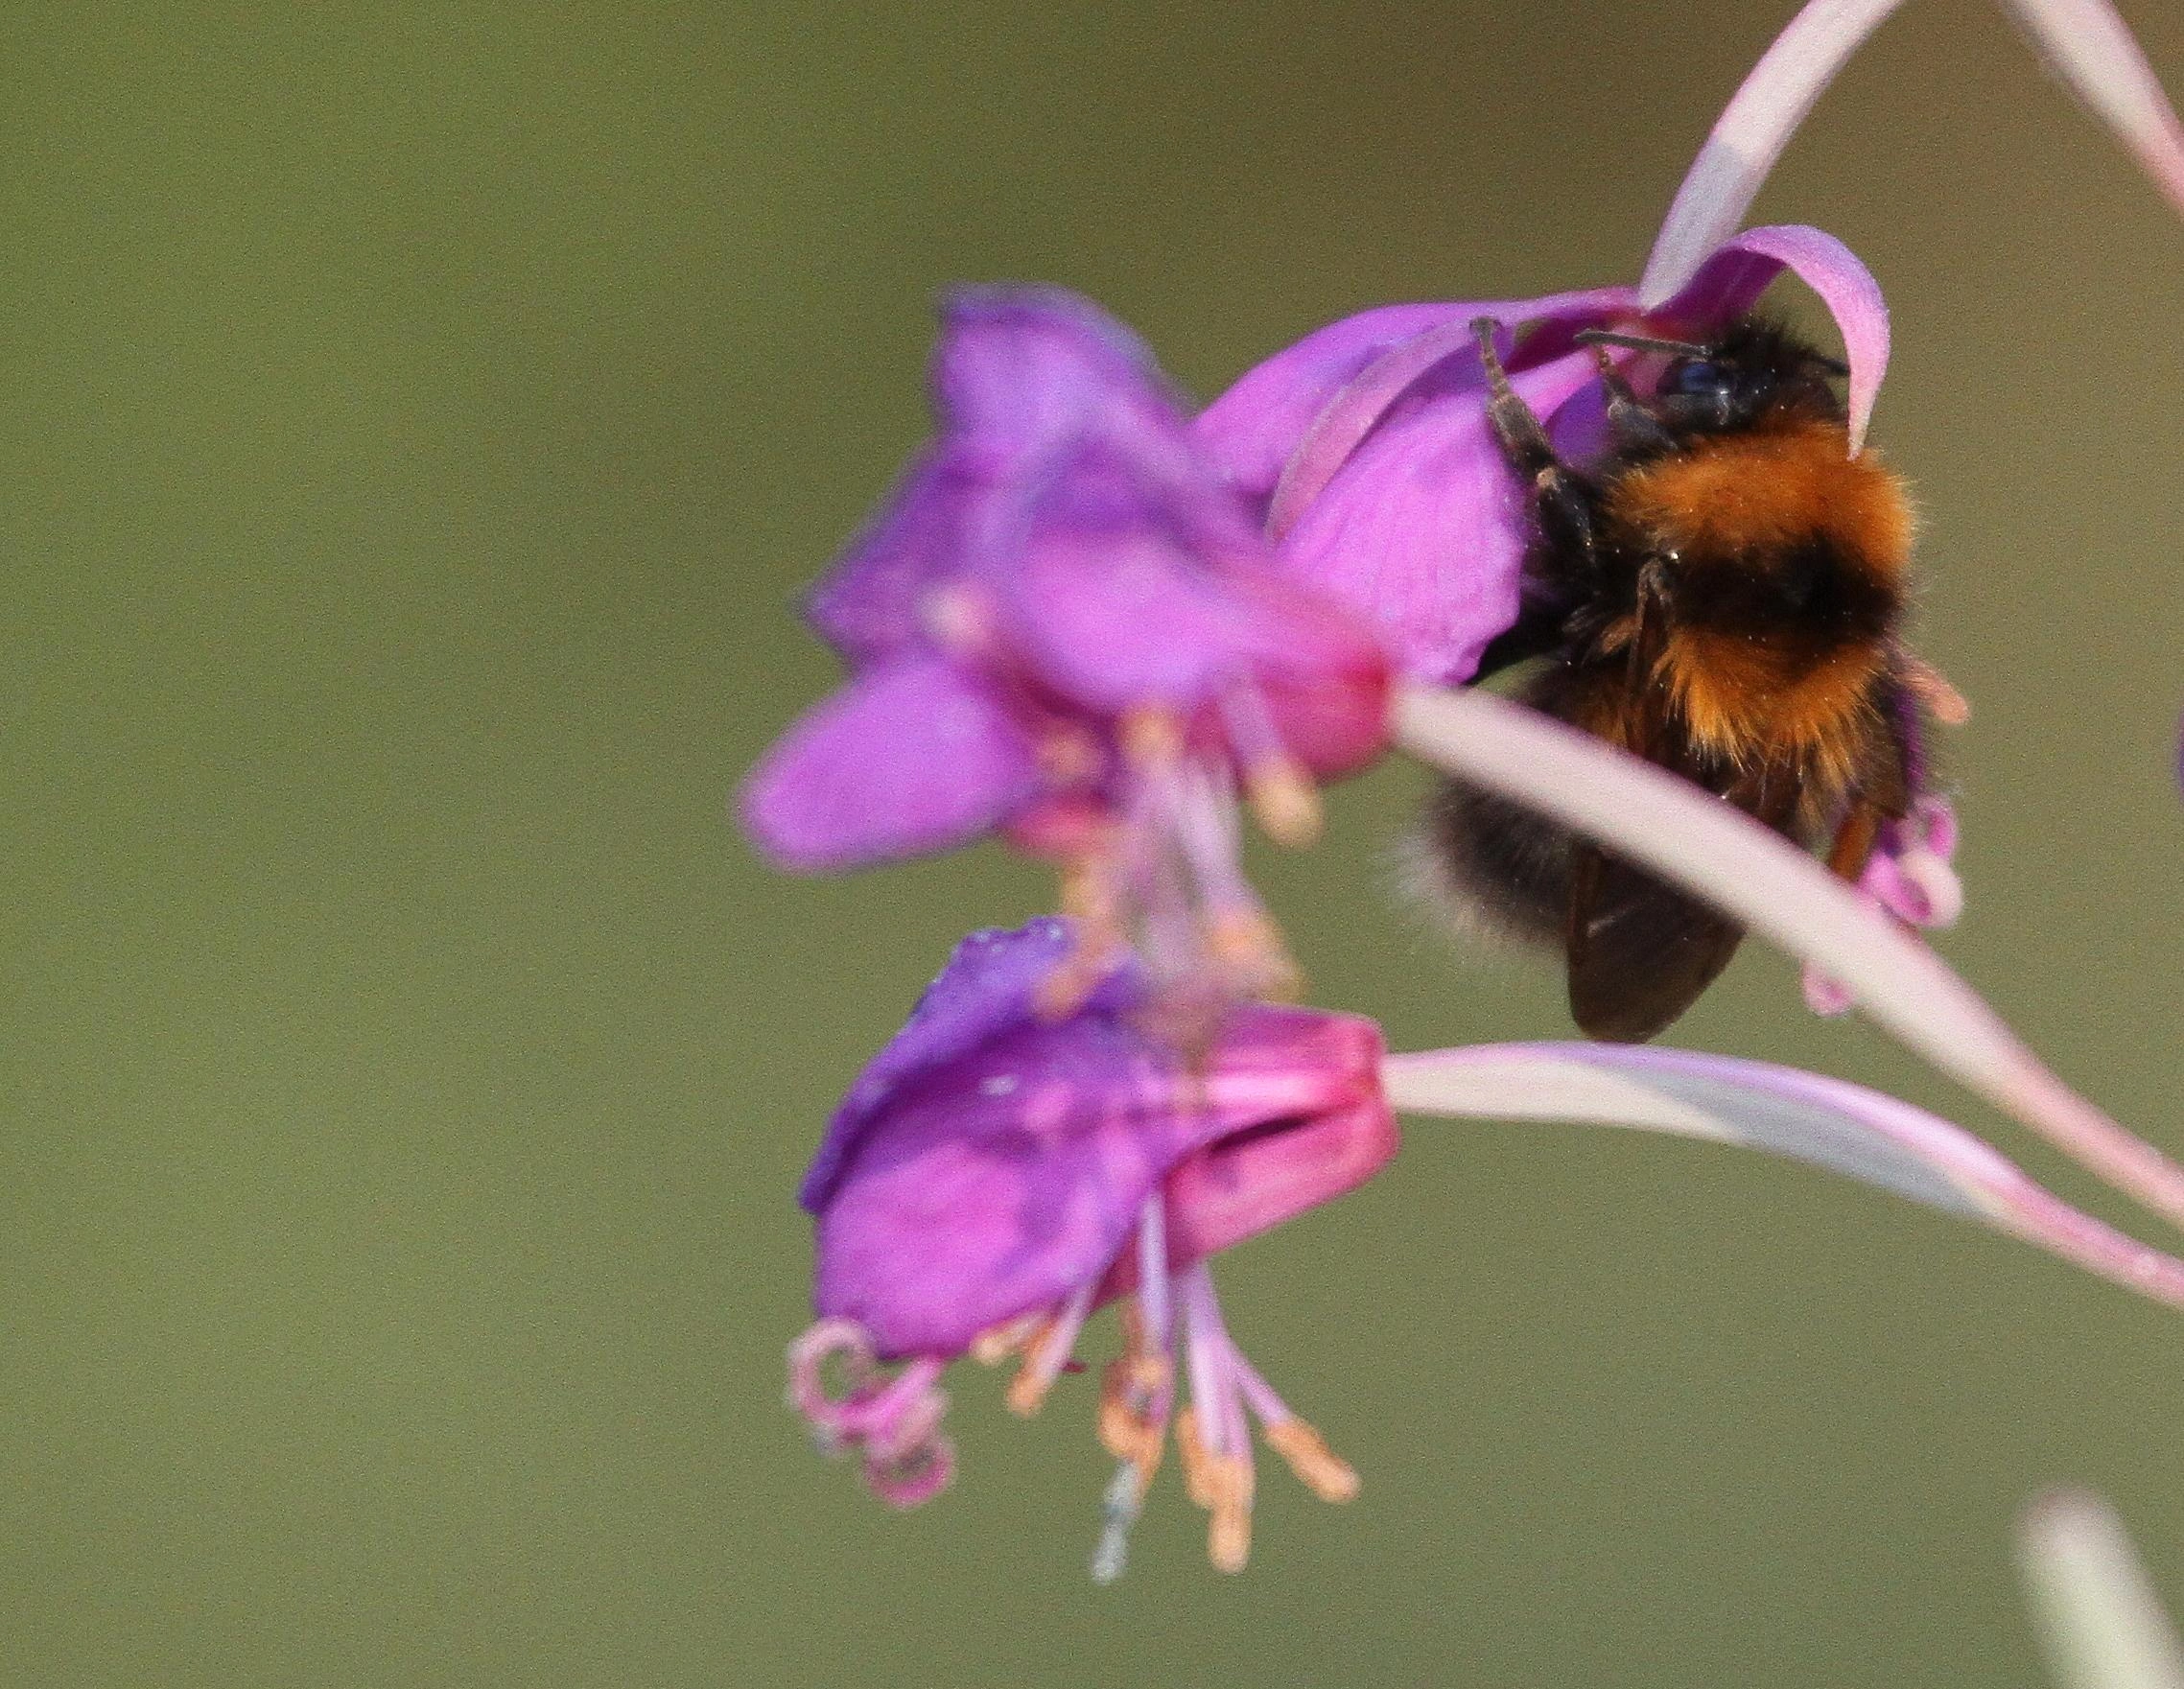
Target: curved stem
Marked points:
1716	853
1863	1134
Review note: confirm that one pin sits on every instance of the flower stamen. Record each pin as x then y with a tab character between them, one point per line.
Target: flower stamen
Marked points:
1048	1353
1222	1485
1283	798
1011	1337
1318	1468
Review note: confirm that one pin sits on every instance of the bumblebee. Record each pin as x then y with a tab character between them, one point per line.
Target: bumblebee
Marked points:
1721	594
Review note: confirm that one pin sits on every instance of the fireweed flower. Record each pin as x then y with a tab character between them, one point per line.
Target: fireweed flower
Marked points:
1020	1156
996	1175
1063	627
1366	447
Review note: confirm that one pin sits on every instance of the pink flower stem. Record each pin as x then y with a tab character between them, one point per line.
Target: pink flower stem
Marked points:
1700	843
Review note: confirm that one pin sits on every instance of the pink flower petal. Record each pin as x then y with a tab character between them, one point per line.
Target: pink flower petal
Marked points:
1847	1128
1252	430
1424	530
1262	422
988	987
1020	371
868	602
1701	844
1237	1188
1749	136
1111	616
1731	280
1356	410
907	758
2087	42
2092	49
1012	1175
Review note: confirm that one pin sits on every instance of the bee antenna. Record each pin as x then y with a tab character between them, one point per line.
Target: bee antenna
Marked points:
1602	336
1835	367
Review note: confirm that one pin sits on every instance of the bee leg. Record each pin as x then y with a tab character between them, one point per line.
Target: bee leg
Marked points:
1565	508
1631	422
1854	840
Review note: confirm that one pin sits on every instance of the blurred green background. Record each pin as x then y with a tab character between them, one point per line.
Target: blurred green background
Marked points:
417	421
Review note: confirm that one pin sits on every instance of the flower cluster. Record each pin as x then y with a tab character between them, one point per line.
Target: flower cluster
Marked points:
1065	628
1102	628
996	1175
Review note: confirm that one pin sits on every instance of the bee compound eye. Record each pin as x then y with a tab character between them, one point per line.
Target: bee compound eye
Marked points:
1694	378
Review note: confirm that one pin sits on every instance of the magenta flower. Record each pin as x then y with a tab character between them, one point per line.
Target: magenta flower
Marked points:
1065	627
1368	448
995	1176
1365	445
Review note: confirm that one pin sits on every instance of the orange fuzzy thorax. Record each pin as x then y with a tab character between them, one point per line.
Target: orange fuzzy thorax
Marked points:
1741	506
1748	492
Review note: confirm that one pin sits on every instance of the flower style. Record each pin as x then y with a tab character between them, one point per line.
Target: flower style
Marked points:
995	1176
1912	874
1063	626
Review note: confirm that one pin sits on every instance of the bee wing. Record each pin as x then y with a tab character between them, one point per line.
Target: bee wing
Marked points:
1640	951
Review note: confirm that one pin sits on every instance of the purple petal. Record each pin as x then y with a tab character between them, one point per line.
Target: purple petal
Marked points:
1108	601
1864	1134
988	987
1252	430
1357	407
1731	280
1749	136
992	1163
1311	1085
1425	529
2100	1619
1022	373
1259	424
1002	1183
1113	606
907	758
1019	376
1698	842
868	603
2092	49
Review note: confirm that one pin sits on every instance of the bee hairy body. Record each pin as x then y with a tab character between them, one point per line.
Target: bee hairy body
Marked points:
1721	593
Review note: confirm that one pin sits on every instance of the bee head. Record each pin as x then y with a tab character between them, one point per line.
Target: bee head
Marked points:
1754	372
